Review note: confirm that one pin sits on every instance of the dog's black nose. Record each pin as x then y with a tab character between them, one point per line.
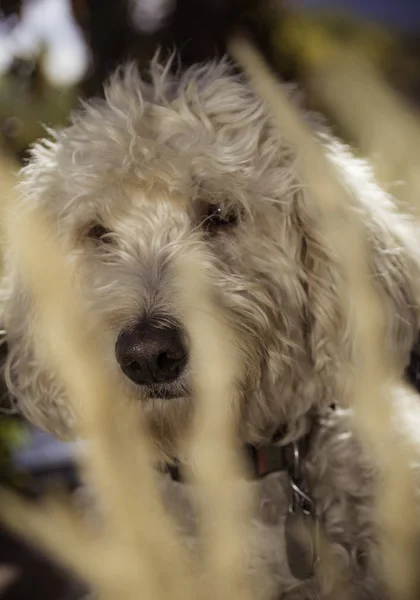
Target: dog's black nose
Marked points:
148	355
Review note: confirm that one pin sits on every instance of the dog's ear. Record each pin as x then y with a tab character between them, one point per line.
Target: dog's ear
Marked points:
321	281
391	241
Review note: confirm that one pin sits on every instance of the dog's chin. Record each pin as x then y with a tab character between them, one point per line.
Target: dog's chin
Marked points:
167	410
165	392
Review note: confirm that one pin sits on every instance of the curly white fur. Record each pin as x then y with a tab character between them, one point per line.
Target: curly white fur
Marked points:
128	163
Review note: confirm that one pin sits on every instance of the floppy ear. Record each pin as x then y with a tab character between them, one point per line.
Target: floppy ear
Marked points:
393	251
324	325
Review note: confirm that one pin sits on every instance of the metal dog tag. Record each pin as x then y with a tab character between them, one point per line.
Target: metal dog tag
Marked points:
301	544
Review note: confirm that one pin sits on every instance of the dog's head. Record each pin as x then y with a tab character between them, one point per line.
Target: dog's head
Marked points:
139	179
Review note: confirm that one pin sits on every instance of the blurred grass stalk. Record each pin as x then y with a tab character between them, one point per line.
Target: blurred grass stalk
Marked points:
368	112
384	128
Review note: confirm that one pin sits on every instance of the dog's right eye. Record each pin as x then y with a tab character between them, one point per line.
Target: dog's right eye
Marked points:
98	233
216	218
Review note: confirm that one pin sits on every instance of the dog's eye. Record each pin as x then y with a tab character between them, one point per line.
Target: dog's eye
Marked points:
216	218
98	233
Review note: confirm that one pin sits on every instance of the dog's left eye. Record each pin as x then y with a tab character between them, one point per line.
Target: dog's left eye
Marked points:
217	218
99	233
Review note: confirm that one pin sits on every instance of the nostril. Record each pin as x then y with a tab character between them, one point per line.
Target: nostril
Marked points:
171	361
126	360
133	370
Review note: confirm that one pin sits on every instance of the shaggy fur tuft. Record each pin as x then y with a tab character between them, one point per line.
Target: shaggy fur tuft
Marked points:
132	186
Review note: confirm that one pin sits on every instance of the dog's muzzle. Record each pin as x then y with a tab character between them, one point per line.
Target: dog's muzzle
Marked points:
152	357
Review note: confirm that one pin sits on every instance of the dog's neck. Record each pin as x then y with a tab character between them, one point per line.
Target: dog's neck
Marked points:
266	459
301	524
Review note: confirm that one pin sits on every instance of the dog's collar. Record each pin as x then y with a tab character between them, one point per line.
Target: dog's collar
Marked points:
263	459
274	457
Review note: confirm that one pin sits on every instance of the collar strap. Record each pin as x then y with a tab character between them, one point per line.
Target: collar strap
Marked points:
263	460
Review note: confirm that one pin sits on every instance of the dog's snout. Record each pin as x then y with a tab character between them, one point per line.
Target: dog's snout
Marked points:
148	355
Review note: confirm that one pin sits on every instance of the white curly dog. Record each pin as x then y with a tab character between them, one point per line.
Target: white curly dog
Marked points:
110	184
